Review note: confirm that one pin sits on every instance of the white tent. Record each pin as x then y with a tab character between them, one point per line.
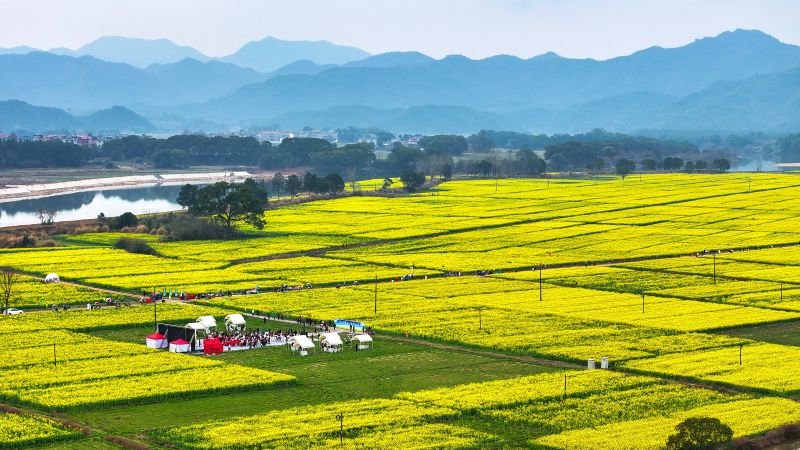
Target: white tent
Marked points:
51	278
235	322
180	346
209	323
301	343
362	341
157	340
331	342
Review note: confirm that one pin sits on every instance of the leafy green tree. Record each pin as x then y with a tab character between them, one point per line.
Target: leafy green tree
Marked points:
228	203
447	171
649	164
187	195
529	163
293	185
412	181
672	163
624	167
127	219
387	183
700	165
689	166
700	433
403	159
484	168
278	182
170	158
721	164
447	143
481	142
335	182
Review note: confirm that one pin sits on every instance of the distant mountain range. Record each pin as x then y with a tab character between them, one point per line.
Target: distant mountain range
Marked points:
19	116
737	81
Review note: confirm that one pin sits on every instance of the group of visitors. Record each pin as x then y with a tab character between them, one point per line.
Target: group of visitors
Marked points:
256	338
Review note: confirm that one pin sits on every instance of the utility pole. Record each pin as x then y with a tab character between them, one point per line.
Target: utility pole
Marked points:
376	295
340	417
715	267
540	282
740	354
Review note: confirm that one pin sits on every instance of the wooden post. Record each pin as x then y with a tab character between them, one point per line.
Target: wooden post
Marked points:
376	295
740	354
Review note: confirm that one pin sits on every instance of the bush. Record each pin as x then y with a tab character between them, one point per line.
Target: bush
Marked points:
127	219
190	228
700	433
132	245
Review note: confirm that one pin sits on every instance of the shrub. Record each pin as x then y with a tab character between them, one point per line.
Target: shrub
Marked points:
132	245
127	219
700	433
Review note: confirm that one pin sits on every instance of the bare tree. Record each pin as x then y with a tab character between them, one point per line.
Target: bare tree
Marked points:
8	278
50	215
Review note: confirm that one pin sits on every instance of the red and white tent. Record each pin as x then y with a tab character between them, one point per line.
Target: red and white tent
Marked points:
180	346
157	340
212	346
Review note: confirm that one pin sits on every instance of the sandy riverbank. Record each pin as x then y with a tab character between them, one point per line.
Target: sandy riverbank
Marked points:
17	192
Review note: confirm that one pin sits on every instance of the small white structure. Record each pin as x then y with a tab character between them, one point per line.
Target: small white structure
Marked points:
591	364
52	278
604	362
300	343
180	346
331	342
157	340
235	322
362	342
200	333
209	323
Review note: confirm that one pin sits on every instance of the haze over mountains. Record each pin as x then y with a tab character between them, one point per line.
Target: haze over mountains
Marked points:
737	81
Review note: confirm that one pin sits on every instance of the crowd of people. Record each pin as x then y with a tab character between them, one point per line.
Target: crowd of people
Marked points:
257	338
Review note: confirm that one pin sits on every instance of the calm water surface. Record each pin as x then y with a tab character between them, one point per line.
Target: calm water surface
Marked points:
88	204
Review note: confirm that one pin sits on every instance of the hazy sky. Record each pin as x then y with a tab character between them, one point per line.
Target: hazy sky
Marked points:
476	28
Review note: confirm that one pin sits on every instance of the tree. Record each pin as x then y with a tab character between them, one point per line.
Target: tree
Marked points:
293	185
700	165
335	182
403	159
689	166
188	195
484	168
127	219
278	182
672	163
46	215
700	433
170	158
722	164
625	167
412	181
649	164
529	163
447	171
8	278
387	183
481	142
447	143
227	203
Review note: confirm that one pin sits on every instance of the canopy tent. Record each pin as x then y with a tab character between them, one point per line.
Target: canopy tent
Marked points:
180	346
362	341
300	342
212	346
331	342
52	278
157	340
235	322
208	322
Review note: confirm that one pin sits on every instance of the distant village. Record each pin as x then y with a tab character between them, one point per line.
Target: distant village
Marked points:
272	136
